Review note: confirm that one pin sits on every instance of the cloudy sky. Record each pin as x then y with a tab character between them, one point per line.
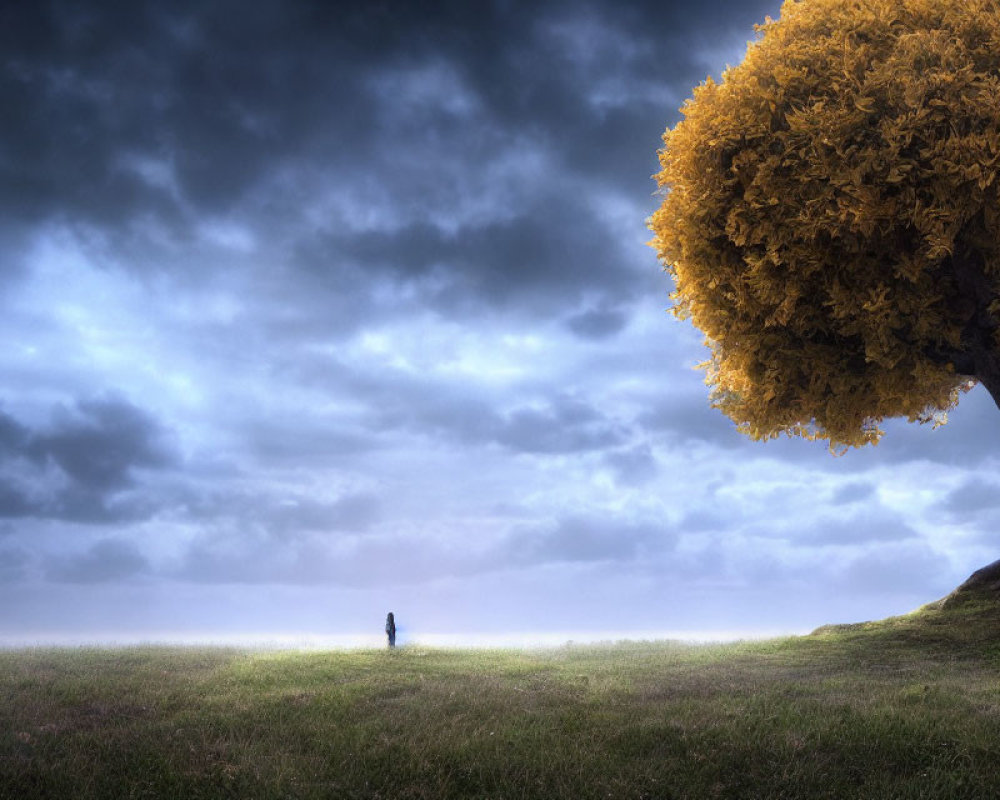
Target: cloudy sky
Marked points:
311	311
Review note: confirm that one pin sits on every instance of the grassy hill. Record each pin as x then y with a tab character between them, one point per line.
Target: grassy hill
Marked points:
903	708
968	619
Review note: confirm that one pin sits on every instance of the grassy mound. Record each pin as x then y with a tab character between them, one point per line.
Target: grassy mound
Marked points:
968	619
980	592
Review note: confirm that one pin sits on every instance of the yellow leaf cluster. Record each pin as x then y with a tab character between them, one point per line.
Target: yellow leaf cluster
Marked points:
810	198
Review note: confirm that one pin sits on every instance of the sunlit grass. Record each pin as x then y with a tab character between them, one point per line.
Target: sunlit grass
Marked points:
905	708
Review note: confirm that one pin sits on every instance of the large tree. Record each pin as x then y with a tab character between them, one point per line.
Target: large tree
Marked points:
831	216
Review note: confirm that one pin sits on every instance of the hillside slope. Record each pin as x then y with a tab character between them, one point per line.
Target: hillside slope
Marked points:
968	617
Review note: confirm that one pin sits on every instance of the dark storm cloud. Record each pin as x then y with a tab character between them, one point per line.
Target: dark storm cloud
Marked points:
14	502
876	524
382	560
704	519
81	465
303	441
460	411
586	539
853	492
566	425
384	401
688	418
203	89
13	561
279	515
134	111
596	77
99	443
971	498
597	324
526	261
13	436
354	512
633	465
559	425
109	560
401	559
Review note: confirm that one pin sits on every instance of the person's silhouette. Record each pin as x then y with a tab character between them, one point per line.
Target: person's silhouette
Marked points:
390	629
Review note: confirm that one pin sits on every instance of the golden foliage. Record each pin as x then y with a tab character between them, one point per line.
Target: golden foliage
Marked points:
811	198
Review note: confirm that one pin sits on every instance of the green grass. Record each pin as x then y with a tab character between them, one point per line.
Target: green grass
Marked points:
905	708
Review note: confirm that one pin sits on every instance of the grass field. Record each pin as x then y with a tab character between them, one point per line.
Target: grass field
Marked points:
905	708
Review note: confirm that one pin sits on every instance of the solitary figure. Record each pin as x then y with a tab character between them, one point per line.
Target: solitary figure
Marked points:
390	629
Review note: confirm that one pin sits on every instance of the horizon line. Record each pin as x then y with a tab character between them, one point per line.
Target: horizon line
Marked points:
363	641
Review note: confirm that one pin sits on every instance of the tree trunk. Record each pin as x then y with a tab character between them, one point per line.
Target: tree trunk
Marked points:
980	357
989	376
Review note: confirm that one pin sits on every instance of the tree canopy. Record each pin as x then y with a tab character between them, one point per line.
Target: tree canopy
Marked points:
831	217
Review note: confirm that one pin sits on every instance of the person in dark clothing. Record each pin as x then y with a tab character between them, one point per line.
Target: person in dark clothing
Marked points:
390	629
